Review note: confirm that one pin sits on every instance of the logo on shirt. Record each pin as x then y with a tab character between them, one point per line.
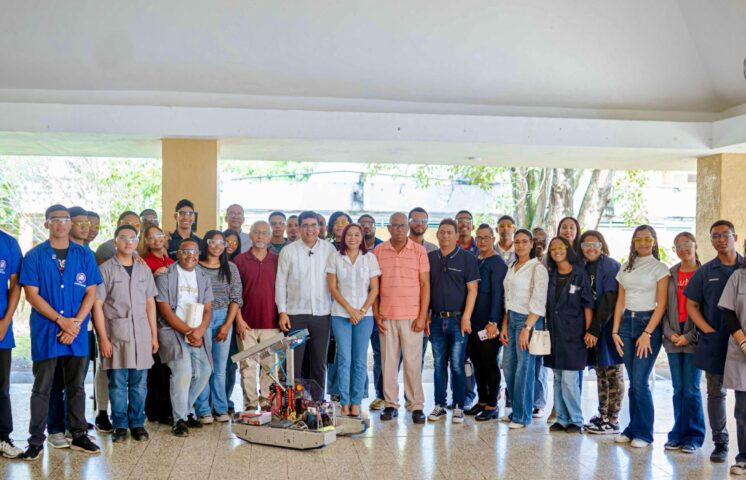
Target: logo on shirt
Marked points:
3	264
80	279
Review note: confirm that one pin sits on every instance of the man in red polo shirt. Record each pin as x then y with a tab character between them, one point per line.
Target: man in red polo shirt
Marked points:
258	319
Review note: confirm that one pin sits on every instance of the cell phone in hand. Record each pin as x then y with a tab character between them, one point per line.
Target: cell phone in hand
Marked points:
482	335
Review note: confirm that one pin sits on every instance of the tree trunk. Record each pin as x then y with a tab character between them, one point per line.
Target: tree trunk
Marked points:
540	210
560	200
520	195
596	198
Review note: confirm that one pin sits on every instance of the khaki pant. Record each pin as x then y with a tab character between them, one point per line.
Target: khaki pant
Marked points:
400	340
249	366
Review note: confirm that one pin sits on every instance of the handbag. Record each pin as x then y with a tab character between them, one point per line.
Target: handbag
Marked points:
540	342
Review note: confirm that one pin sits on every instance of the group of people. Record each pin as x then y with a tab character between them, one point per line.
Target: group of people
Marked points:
169	309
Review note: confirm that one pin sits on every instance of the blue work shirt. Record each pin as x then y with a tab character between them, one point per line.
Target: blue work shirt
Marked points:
449	275
605	354
705	288
490	303
10	264
63	292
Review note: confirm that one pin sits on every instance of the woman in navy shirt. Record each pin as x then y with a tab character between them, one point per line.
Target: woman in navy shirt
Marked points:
569	313
488	310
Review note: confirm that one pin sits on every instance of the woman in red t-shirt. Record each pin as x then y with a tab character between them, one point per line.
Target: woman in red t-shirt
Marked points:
679	340
154	251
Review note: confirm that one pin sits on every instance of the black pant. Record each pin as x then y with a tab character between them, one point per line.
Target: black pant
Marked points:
6	415
158	398
486	371
73	373
315	348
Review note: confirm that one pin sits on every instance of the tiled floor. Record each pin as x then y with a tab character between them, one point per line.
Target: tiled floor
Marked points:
391	450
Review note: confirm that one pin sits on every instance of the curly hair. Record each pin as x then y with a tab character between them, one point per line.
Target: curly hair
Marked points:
633	252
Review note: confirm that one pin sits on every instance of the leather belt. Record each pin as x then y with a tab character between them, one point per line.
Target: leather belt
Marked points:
447	314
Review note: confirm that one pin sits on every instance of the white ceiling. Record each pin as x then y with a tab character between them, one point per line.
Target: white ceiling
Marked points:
684	55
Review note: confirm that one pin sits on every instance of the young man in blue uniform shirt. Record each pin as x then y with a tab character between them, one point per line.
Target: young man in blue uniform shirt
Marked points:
10	293
59	278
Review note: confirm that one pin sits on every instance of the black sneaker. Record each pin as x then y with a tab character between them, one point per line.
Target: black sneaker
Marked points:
572	428
603	428
180	429
595	420
84	444
119	435
103	424
720	454
89	426
474	410
193	422
557	427
418	416
139	434
389	413
33	452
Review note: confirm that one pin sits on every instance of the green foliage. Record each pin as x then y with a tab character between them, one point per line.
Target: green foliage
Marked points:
628	197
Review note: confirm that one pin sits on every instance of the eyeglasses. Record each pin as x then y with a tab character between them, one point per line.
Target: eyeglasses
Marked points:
189	252
591	245
235	215
260	234
721	236
341	223
505	225
367	223
683	246
418	221
231	242
464	220
157	236
133	224
216	242
645	240
557	248
60	220
309	225
397	226
186	213
84	223
277	224
484	239
124	239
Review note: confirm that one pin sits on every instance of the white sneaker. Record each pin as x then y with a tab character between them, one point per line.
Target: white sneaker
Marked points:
637	443
516	426
505	419
222	418
622	438
377	404
438	413
58	440
458	415
738	469
206	420
8	450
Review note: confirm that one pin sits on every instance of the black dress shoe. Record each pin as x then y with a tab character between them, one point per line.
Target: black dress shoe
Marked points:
418	416
475	409
572	428
180	429
119	435
193	422
485	415
720	454
389	413
103	424
139	434
557	427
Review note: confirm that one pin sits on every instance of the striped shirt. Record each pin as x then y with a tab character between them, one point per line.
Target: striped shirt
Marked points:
225	293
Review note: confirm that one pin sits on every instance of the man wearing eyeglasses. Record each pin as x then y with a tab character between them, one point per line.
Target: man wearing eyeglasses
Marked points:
303	299
418	220
124	315
148	218
454	274
369	231
277	224
59	278
258	319
234	217
703	295
400	313
180	333
504	246
185	215
540	242
108	249
465	222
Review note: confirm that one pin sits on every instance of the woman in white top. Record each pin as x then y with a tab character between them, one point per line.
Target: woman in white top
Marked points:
525	306
352	274
641	303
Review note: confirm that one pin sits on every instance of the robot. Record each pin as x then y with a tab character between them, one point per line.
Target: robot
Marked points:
295	420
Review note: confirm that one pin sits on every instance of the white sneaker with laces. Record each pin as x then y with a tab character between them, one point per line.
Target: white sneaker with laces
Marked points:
8	450
58	440
206	420
738	469
458	415
637	443
438	413
222	417
622	438
516	426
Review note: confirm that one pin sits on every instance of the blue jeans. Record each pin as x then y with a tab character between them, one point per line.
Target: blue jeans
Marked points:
449	347
213	397
189	376
230	372
352	357
375	344
689	424
641	414
567	401
332	387
520	370
541	386
127	390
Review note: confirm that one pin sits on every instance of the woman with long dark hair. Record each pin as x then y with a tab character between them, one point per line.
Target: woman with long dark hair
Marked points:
569	229
227	290
679	340
640	307
338	221
232	243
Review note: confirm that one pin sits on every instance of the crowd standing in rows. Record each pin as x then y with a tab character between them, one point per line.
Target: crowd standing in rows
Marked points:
169	308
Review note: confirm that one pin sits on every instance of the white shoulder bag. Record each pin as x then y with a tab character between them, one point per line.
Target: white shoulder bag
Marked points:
541	342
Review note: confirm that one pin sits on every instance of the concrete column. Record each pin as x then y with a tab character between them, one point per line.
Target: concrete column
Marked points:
190	170
721	194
